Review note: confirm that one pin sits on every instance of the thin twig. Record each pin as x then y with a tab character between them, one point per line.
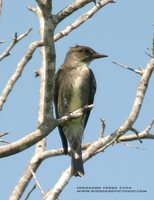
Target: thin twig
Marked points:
136	132
138	136
80	20
71	8
16	39
149	127
37	182
132	146
3	134
77	113
102	132
30	192
32	9
137	71
148	54
4	141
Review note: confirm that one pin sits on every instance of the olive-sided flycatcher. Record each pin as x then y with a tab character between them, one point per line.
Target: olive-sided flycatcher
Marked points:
75	87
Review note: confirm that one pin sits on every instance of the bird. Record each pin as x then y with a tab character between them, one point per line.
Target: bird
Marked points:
75	87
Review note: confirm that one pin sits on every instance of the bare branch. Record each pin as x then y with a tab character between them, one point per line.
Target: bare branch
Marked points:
4	141
143	135
75	114
47	70
47	82
40	154
32	9
40	133
141	91
102	132
30	192
136	132
81	19
27	141
62	182
3	134
103	143
125	138
137	71
37	182
16	39
131	146
38	158
25	179
149	127
20	67
70	9
58	152
148	54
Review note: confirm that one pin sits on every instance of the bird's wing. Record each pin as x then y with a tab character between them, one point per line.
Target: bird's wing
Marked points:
91	94
56	91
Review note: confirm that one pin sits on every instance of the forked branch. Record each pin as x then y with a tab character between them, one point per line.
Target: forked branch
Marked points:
16	39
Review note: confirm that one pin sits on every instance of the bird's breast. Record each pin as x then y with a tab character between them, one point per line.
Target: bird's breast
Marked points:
75	102
77	90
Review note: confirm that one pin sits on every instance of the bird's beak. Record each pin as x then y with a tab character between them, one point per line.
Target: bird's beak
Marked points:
99	55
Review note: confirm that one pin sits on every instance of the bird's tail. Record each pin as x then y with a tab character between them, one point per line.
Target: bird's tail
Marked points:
77	164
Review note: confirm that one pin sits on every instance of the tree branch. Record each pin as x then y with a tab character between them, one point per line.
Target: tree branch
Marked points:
39	134
3	134
16	39
92	150
70	9
24	180
37	182
103	143
143	135
80	20
137	71
102	132
40	154
26	141
77	113
62	182
30	192
20	67
141	91
39	157
47	26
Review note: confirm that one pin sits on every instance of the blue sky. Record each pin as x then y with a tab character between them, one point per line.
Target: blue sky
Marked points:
123	31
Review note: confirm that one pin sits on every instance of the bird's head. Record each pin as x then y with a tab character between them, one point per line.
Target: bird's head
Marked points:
83	54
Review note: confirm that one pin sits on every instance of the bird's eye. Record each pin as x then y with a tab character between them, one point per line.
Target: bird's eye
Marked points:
86	51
